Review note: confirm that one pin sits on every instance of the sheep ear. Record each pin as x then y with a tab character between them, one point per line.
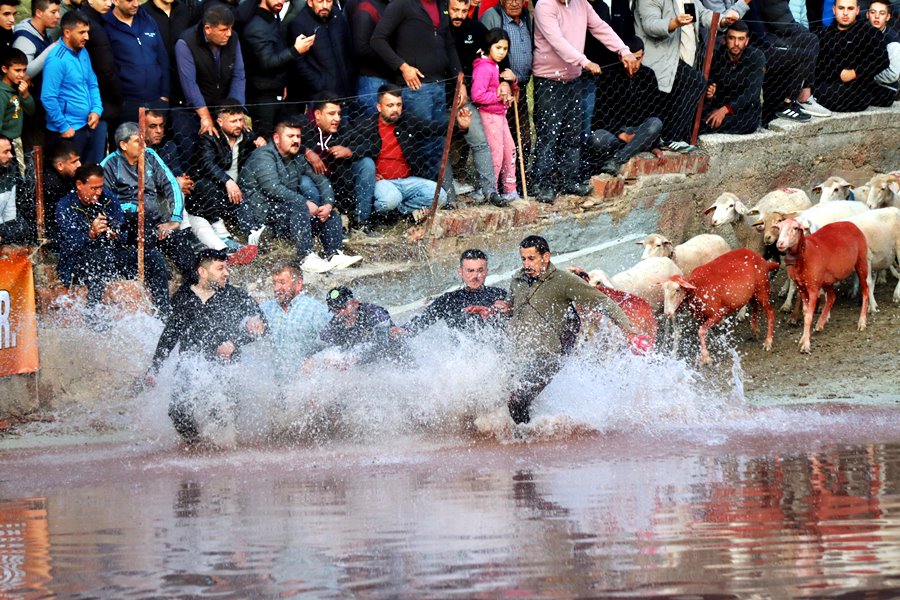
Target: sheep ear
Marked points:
684	282
740	208
894	186
817	189
667	243
789	215
759	223
753	212
709	210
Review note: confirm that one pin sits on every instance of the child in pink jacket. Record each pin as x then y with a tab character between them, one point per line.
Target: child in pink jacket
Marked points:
486	77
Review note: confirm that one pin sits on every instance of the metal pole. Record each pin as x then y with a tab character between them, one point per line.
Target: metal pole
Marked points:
39	192
519	141
437	191
707	63
141	169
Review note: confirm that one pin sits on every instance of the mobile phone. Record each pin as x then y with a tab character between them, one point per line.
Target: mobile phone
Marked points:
690	9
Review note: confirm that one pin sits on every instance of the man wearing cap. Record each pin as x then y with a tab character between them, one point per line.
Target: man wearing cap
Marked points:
295	319
450	307
211	319
364	328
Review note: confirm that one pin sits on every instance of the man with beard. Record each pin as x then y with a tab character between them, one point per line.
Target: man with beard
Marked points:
59	179
210	319
329	64
735	84
295	319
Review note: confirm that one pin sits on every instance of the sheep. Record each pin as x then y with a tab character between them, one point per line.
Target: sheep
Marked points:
721	287
818	261
882	230
641	280
884	190
729	209
834	188
697	251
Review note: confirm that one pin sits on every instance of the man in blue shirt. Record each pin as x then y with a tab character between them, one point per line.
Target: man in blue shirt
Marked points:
70	93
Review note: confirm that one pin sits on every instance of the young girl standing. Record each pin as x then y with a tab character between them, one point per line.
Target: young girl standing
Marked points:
486	78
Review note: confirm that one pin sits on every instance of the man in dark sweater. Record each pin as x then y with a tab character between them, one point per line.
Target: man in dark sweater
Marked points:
210	319
450	307
852	54
735	83
329	64
364	15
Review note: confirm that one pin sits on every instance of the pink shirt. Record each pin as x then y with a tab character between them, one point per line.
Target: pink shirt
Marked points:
559	32
485	81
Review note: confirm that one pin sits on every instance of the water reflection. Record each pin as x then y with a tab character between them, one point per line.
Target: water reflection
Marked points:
578	518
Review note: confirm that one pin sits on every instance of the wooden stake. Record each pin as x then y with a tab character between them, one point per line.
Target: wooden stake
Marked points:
707	63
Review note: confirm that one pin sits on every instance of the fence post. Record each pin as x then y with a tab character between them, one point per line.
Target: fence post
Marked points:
437	191
141	171
38	158
707	63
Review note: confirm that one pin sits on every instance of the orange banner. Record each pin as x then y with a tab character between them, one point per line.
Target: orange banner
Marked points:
18	321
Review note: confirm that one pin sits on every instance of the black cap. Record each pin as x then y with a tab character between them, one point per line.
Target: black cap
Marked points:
338	297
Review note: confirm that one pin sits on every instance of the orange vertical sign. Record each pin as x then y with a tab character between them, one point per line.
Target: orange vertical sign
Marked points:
18	321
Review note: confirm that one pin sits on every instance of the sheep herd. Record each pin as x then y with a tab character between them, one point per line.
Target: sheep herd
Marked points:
851	231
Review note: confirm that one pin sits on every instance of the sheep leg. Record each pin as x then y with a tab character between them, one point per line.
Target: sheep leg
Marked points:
754	319
810	297
763	300
862	271
826	310
870	281
704	353
895	272
795	311
789	301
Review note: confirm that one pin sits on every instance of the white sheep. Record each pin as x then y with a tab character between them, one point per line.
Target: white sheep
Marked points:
697	251
884	190
834	188
642	280
882	230
728	208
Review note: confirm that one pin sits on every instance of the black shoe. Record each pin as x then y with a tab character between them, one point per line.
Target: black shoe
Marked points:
793	112
497	200
579	189
545	195
610	167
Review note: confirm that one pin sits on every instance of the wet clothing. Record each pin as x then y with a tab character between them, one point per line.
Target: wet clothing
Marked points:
295	332
449	308
201	327
369	337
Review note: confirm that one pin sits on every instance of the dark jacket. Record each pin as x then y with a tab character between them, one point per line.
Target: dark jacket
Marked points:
213	77
329	64
738	85
266	55
364	16
213	157
203	326
406	34
141	57
345	136
449	308
182	15
104	64
621	19
73	221
369	338
412	133
56	187
468	39
268	178
624	101
861	48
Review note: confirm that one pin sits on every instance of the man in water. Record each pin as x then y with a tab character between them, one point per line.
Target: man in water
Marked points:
450	307
360	327
543	322
212	319
295	319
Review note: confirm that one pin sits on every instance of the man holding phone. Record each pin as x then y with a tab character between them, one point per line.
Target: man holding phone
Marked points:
329	65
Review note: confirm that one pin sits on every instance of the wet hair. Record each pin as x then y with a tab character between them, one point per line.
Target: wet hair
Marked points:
472	254
230	106
492	37
71	20
61	151
13	56
210	255
37	5
291	266
217	15
323	98
739	26
85	172
125	131
289	123
635	44
390	88
536	242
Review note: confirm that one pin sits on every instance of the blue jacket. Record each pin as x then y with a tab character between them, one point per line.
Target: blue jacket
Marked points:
163	200
73	221
140	55
70	91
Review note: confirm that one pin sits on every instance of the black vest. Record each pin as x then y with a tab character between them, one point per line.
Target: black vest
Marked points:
213	79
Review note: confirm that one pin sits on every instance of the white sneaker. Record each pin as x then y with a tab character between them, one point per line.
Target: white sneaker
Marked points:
811	107
314	263
253	238
462	187
342	261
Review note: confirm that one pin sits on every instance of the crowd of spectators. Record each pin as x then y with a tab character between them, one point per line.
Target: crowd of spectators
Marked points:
349	103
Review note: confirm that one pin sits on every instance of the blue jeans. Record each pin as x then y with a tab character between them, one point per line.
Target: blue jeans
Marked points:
406	195
363	171
367	91
481	153
429	102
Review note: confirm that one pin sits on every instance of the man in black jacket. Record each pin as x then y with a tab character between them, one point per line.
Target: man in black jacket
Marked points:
59	180
266	58
329	64
210	319
625	120
852	54
364	16
104	65
735	83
